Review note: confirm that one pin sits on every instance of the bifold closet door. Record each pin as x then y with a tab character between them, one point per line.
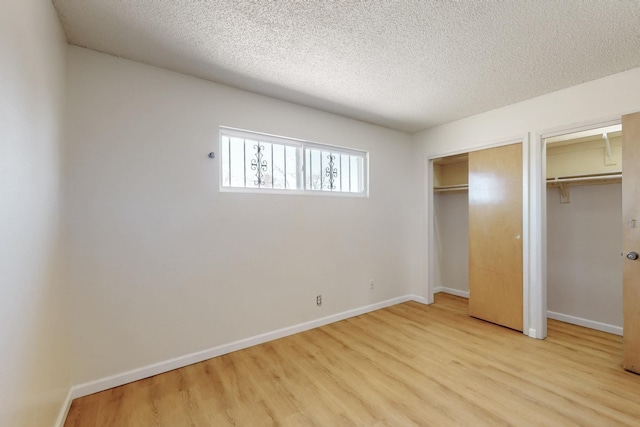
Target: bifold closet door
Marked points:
631	240
495	235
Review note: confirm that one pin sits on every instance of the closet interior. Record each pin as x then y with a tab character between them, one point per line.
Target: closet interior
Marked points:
584	202
451	220
584	228
478	217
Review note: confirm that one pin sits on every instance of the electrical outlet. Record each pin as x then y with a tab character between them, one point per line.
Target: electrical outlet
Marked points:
319	300
370	285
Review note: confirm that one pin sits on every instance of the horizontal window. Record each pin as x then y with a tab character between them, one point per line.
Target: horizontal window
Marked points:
256	162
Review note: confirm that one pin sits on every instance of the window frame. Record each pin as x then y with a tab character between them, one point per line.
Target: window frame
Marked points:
301	146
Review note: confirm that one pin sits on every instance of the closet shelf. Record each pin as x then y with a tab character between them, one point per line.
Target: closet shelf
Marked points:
458	188
605	178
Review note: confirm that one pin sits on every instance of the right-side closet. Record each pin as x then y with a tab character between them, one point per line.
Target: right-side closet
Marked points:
584	223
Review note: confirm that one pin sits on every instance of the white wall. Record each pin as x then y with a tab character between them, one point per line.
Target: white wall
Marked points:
34	357
592	102
451	213
584	266
600	99
163	264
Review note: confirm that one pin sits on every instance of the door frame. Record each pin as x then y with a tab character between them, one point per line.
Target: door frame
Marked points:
539	211
526	229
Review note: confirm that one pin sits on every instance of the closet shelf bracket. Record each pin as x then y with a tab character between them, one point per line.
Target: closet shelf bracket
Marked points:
565	193
563	184
609	160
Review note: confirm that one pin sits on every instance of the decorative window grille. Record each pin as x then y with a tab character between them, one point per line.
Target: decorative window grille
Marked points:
333	170
252	161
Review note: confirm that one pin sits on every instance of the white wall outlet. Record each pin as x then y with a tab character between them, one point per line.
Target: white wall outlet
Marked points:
319	300
371	285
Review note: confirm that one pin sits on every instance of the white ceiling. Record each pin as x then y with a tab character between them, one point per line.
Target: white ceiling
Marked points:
404	64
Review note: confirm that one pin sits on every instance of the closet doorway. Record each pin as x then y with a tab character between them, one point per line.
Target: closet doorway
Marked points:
584	228
477	248
605	234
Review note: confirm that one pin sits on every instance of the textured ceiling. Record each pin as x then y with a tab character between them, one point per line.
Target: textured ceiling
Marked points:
403	64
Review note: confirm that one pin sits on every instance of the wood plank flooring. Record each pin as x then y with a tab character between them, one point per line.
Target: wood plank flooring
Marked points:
406	365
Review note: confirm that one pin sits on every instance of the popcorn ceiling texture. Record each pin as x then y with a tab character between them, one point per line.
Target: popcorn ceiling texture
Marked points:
404	64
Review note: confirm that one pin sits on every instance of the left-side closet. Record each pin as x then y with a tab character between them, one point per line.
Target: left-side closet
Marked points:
479	233
451	220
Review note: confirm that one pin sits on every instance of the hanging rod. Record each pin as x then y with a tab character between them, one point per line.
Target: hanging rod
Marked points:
585	178
450	188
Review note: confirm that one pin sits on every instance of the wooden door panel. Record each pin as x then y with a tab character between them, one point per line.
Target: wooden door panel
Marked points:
631	240
495	235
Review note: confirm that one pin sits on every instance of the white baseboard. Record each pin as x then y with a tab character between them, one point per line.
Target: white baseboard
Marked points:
189	359
604	327
416	298
452	291
612	329
64	410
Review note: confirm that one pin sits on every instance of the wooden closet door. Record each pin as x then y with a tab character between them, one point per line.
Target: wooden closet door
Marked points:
495	235
631	240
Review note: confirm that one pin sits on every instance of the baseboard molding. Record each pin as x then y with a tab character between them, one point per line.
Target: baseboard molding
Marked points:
452	291
189	359
64	409
416	298
604	327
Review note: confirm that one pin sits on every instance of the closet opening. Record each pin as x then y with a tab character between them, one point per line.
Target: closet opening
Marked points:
477	243
584	228
451	224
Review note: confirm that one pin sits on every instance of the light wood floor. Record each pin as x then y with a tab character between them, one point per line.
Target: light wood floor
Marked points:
407	365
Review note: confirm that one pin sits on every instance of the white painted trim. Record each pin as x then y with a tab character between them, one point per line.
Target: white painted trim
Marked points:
419	299
580	127
541	223
189	359
430	228
452	291
64	409
240	190
482	146
592	324
526	233
286	140
539	213
535	295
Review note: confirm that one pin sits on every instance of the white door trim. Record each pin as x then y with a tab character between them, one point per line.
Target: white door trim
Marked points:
538	172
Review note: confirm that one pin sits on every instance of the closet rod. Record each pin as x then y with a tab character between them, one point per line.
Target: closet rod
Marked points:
585	178
447	188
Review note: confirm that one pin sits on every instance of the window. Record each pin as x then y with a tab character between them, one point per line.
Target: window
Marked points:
260	162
